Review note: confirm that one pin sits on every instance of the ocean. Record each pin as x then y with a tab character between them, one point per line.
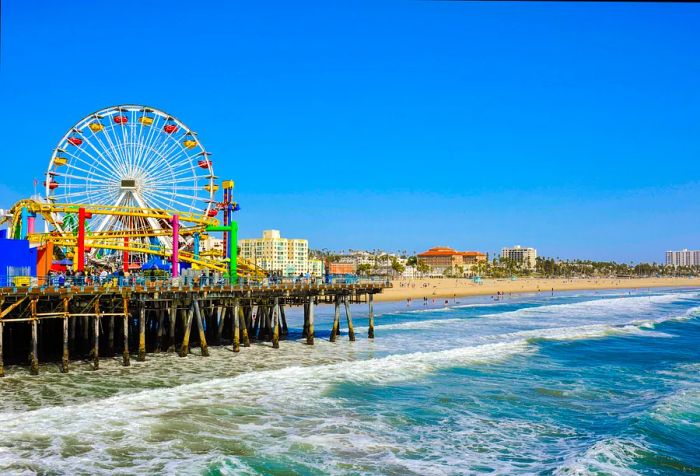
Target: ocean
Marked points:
604	382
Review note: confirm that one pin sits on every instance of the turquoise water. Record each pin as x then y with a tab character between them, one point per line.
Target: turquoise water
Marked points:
579	383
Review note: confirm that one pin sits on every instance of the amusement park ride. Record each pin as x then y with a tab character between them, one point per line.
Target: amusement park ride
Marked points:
127	184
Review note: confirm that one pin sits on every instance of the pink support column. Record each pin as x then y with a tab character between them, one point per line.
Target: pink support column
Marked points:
176	243
30	223
125	255
80	255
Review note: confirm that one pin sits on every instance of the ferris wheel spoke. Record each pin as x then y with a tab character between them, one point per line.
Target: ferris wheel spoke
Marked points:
85	179
171	200
171	197
108	163
116	144
113	146
160	162
143	145
192	174
80	159
150	144
89	173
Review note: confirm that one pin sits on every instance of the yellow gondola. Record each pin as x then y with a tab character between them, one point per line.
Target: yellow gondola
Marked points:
211	188
145	120
189	144
96	126
60	161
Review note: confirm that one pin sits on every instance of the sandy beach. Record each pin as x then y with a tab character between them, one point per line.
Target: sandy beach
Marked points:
449	288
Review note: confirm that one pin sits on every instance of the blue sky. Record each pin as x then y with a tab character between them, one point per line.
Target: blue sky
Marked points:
573	128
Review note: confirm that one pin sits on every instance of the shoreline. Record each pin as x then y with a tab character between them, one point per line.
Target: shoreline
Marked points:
447	288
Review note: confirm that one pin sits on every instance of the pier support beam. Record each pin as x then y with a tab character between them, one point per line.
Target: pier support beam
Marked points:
256	320
142	332
348	315
245	323
276	324
172	320
220	319
310	334
236	327
370	301
335	330
200	327
283	317
125	355
161	323
96	335
305	329
110	336
34	355
2	361
66	356
185	347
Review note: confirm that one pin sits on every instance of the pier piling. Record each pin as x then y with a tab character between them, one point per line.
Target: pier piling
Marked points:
2	360
335	330
275	324
96	336
236	327
370	304
245	318
348	315
34	354
125	354
310	335
65	357
185	347
142	332
200	326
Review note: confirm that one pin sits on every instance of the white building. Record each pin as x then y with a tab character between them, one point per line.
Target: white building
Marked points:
527	256
212	243
316	268
283	256
683	258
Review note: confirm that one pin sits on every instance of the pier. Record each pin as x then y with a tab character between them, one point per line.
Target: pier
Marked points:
60	324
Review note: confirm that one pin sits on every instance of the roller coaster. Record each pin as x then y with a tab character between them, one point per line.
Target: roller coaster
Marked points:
126	184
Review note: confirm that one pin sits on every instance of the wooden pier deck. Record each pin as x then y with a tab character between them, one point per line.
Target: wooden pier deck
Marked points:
57	324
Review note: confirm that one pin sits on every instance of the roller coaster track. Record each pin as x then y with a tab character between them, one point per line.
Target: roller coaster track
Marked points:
114	239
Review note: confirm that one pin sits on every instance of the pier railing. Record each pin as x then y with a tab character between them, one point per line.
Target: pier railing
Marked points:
16	283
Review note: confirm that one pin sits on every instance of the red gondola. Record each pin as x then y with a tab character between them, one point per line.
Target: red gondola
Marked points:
213	212
53	185
75	140
204	163
121	119
169	128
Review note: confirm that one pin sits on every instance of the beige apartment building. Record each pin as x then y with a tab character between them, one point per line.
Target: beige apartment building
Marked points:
282	256
527	256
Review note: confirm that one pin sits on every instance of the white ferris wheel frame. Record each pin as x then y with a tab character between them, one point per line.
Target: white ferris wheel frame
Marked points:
166	173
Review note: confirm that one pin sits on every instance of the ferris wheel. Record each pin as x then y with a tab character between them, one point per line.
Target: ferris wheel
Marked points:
132	156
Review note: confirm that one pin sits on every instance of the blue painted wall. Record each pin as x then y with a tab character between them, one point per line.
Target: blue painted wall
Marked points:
16	253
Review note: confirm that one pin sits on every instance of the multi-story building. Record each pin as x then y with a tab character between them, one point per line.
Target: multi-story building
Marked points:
442	258
342	268
683	258
316	267
282	256
526	256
